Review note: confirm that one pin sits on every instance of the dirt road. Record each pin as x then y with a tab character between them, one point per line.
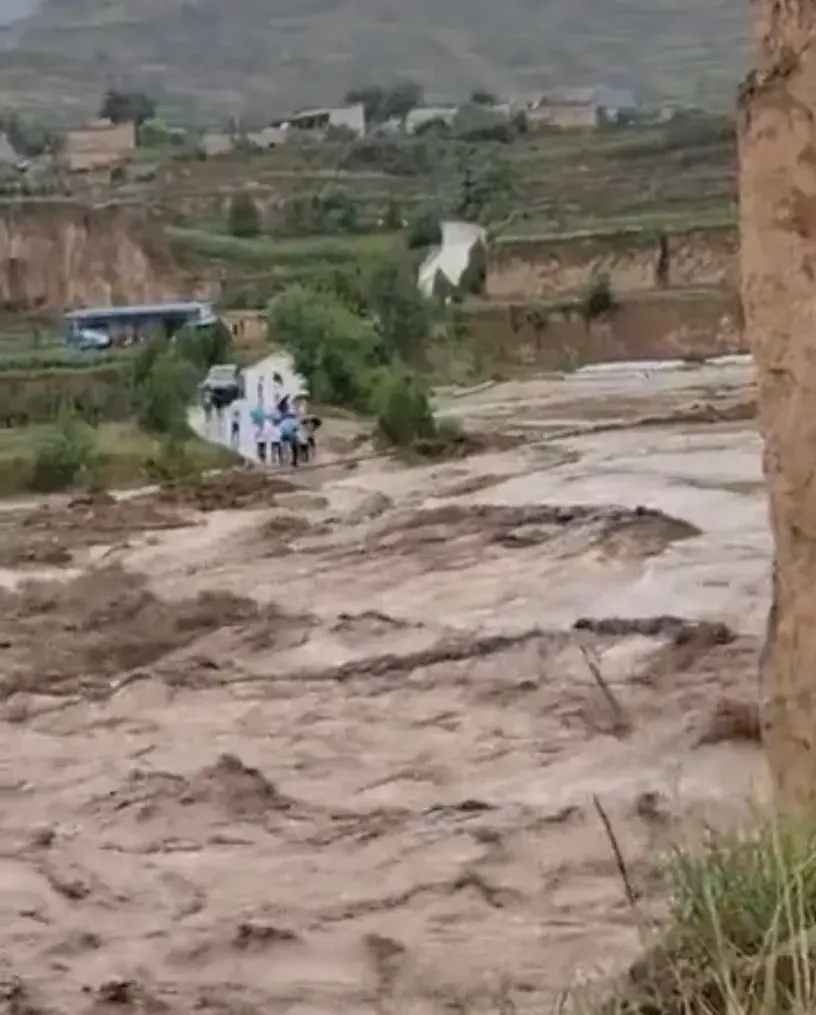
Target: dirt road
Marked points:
335	750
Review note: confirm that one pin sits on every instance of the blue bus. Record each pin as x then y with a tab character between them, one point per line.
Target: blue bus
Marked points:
102	327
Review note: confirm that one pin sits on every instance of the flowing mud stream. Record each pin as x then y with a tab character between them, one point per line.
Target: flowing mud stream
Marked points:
334	746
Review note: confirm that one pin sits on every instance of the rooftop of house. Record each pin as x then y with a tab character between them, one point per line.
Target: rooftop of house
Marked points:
598	95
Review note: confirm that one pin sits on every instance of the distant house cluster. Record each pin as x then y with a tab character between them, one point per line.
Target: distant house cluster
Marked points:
104	145
578	108
566	108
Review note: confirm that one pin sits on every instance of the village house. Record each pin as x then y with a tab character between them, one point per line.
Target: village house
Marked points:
579	108
319	121
569	108
421	116
100	144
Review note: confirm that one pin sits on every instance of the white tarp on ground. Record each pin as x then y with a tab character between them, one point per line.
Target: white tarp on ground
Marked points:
452	258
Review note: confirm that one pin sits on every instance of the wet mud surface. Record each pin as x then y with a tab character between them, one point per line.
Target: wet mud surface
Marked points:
336	748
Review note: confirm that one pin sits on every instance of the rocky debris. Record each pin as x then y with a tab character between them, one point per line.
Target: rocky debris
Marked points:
679	630
255	935
228	786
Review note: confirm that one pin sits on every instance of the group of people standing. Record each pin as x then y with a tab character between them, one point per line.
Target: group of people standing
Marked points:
281	425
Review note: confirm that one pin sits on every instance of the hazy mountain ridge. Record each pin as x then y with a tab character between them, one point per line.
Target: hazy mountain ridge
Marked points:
204	54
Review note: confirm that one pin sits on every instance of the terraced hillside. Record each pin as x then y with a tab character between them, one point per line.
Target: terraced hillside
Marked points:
266	55
649	208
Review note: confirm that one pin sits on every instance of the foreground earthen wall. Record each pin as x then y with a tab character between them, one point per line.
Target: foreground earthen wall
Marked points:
777	150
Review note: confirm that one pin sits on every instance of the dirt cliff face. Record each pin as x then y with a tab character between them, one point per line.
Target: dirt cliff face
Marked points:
633	262
778	225
655	326
56	254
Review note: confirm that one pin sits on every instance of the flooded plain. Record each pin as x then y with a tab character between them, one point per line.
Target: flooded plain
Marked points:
341	741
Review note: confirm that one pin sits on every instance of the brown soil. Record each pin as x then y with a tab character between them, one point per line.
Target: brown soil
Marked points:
237	489
52	535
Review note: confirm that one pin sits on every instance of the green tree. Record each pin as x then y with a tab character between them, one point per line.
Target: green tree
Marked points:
424	229
29	139
127	107
403	316
382	103
243	216
477	123
204	347
481	97
331	346
346	285
487	188
165	393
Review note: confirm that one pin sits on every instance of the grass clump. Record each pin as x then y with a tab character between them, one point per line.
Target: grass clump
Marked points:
741	937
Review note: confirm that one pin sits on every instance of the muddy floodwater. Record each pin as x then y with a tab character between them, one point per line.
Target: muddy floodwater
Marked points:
335	741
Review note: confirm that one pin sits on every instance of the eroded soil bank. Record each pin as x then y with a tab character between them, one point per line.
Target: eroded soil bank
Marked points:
334	748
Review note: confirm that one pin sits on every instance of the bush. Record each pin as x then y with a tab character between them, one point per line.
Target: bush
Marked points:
488	189
402	408
62	455
399	156
243	217
330	211
599	299
476	123
335	211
